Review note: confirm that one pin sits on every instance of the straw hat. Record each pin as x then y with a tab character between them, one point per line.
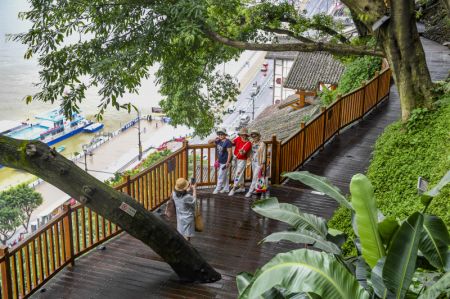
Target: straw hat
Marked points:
255	132
222	131
243	131
181	184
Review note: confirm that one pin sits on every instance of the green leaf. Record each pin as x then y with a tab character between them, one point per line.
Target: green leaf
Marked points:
444	181
434	242
306	271
291	215
377	279
366	218
400	262
243	280
442	286
304	237
387	228
320	184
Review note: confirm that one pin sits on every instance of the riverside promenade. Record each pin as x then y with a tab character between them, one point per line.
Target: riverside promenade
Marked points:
109	158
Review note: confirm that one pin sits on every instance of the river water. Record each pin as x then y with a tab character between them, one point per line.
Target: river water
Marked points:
17	78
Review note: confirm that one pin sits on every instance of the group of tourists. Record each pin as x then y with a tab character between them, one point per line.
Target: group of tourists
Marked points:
249	149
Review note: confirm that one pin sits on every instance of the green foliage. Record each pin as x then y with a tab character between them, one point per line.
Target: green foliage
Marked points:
385	269
327	96
366	218
356	71
305	271
25	199
401	155
9	218
400	263
16	206
117	44
291	215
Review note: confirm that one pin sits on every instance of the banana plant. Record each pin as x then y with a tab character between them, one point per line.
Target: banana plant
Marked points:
389	250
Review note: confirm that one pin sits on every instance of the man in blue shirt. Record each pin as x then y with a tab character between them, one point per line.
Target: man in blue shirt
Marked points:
223	162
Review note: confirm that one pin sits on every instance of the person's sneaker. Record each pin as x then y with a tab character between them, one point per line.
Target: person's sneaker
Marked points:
231	192
240	190
215	191
248	194
224	190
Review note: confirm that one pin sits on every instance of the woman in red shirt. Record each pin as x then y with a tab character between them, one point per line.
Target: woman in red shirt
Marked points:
242	149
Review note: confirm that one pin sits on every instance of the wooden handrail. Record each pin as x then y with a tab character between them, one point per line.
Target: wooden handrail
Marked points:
76	230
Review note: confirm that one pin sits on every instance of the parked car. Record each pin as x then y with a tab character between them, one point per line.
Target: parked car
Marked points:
244	120
255	90
231	108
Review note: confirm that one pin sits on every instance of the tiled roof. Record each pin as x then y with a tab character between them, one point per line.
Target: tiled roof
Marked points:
310	68
281	122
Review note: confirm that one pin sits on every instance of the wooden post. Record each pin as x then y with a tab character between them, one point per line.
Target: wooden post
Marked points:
275	161
186	159
377	75
302	126
128	185
5	270
339	99
68	234
363	98
324	111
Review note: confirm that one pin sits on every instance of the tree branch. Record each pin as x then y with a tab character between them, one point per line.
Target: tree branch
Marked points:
37	158
320	27
337	49
289	33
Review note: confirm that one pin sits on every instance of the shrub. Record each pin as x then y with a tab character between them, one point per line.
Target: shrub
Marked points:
357	71
402	154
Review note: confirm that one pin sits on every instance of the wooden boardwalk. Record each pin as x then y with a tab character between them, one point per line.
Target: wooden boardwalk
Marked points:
126	268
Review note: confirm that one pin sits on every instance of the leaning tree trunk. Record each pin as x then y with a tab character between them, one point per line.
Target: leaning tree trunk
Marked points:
404	52
37	158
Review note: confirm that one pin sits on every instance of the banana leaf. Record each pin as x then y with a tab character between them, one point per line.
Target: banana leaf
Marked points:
400	262
243	280
377	279
387	228
306	271
291	215
434	242
442	286
321	184
304	237
366	219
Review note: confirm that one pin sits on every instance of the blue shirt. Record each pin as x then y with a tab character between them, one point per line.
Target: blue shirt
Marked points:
222	150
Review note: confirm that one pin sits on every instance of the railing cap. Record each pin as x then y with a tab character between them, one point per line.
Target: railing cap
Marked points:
4	250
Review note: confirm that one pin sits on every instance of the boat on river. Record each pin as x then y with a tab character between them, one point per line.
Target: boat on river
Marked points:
51	127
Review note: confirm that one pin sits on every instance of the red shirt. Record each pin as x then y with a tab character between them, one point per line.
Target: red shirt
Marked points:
241	145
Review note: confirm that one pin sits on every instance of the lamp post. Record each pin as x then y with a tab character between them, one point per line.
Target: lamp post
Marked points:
85	150
253	107
139	136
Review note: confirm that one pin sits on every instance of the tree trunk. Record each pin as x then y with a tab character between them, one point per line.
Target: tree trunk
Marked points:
404	52
37	158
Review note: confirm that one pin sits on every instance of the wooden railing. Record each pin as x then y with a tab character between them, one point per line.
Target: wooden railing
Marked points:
313	136
27	266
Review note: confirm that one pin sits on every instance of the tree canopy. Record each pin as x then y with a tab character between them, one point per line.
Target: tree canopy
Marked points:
111	45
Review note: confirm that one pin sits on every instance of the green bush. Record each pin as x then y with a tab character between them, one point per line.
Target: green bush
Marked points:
421	147
357	71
